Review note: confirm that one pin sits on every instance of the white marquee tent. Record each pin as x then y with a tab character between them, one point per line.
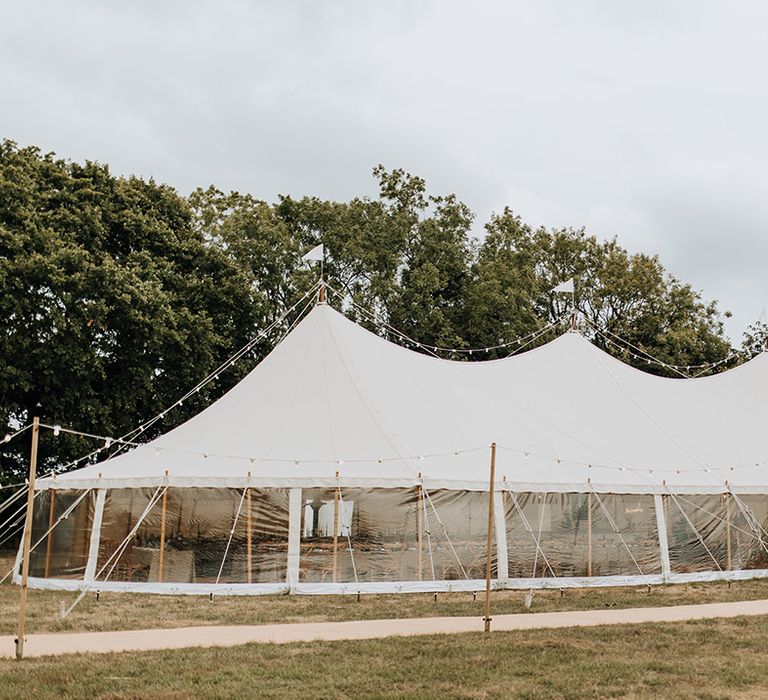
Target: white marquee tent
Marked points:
346	463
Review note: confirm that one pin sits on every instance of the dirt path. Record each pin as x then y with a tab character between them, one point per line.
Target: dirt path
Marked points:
142	640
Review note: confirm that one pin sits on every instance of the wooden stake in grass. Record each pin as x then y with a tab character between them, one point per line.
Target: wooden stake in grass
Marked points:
335	529
487	618
27	539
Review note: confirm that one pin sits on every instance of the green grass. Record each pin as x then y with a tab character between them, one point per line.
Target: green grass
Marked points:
136	611
703	659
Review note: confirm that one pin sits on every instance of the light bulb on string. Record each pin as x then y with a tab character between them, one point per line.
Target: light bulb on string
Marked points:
108	443
56	431
7	438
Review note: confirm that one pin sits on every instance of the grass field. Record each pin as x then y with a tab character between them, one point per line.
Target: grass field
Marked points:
136	611
703	659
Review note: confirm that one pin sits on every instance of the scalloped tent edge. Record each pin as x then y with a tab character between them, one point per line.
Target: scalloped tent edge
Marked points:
333	397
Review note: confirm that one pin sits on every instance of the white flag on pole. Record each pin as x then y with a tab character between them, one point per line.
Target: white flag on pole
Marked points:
564	287
314	255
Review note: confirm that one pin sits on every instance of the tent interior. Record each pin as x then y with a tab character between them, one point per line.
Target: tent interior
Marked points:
344	463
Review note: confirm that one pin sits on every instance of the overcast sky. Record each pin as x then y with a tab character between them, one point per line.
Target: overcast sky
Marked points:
647	121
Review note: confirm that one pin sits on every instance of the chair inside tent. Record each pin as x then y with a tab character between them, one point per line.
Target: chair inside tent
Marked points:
344	463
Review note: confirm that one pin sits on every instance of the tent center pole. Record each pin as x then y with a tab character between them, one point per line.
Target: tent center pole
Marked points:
335	530
489	543
27	543
49	543
728	529
589	534
162	535
419	528
248	534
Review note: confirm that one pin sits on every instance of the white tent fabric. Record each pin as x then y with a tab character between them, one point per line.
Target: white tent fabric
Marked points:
567	417
342	443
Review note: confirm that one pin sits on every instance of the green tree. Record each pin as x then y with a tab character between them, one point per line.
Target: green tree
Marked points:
405	256
112	303
630	295
257	242
755	340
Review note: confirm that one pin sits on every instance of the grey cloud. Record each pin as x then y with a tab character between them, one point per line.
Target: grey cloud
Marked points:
640	120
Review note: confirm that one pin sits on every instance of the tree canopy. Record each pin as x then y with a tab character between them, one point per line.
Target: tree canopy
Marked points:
119	294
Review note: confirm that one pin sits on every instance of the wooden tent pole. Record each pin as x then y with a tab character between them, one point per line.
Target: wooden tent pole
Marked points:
249	533
419	529
162	535
27	540
589	534
49	543
335	529
489	551
728	529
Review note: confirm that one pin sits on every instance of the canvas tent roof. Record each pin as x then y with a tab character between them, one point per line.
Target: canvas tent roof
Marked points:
567	417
